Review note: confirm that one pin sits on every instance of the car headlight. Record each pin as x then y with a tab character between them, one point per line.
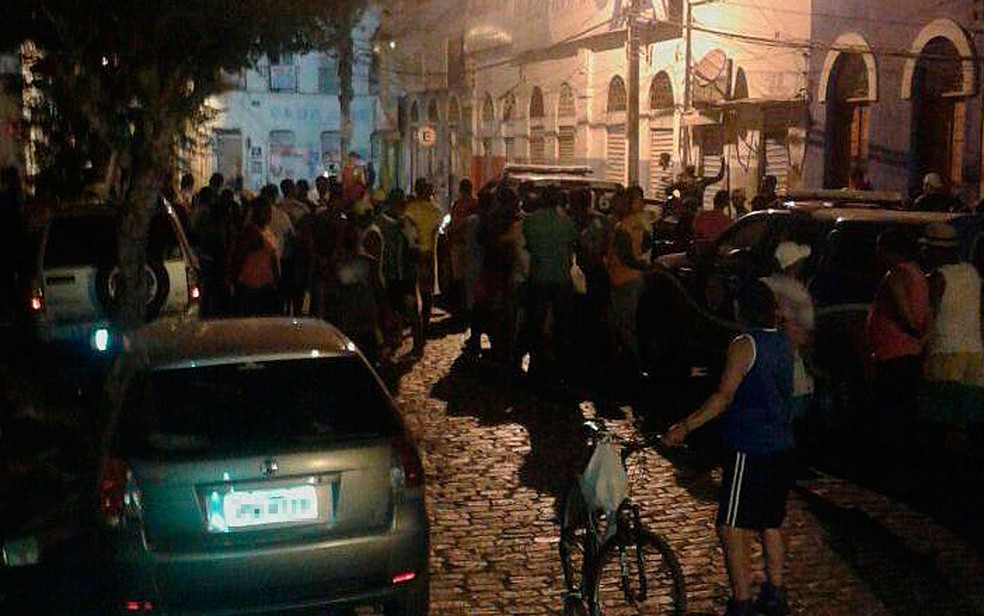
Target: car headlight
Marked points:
101	339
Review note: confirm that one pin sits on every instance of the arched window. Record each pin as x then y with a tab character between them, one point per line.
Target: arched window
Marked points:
566	106
509	107
536	103
617	99
488	109
414	113
661	92
433	115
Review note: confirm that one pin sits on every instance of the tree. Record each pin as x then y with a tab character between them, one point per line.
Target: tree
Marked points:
344	19
120	78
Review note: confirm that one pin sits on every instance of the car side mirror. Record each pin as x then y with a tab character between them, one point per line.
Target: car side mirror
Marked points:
21	552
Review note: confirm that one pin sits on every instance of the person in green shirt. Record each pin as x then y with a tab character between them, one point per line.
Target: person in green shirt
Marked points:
551	238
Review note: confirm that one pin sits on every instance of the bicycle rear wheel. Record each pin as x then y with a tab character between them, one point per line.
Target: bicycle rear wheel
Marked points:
620	586
573	537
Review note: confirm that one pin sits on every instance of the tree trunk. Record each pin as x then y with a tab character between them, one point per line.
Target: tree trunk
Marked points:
346	92
139	204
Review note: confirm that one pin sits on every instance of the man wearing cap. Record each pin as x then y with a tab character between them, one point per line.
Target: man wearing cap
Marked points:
954	350
797	317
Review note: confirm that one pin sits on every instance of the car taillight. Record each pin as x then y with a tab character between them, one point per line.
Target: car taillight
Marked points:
411	468
194	291
118	493
129	605
36	302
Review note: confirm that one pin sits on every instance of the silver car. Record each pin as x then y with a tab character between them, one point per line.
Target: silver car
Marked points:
257	466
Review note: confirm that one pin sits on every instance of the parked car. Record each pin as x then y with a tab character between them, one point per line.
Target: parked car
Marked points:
258	466
76	274
686	317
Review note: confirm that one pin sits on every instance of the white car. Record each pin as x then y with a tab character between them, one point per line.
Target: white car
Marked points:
73	295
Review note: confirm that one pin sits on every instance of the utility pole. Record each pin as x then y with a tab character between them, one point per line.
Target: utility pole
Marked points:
688	21
688	78
632	123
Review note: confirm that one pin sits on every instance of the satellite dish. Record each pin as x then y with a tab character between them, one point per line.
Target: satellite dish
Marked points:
712	66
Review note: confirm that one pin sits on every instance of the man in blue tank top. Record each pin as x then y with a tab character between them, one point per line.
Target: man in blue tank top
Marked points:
753	400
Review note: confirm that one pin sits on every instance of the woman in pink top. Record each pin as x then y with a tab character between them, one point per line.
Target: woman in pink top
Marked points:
896	331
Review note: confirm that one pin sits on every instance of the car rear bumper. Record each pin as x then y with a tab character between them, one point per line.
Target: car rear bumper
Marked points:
283	579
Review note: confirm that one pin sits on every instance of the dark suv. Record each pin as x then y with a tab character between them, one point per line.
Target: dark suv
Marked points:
686	317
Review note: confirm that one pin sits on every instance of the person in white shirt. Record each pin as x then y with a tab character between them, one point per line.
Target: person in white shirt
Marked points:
954	351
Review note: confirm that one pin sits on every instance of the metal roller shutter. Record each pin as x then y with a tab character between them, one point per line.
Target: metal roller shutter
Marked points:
537	155
712	165
777	159
660	142
615	154
565	145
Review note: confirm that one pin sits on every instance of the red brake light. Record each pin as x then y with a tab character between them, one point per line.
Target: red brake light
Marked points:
138	606
36	302
413	469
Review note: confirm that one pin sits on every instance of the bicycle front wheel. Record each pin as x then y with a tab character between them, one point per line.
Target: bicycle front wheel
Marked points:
638	577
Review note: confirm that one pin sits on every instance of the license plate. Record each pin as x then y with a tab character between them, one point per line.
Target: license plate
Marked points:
251	508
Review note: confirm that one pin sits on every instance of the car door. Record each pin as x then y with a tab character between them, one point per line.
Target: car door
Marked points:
742	253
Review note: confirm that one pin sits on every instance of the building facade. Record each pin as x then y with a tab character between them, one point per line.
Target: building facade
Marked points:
897	94
547	82
282	119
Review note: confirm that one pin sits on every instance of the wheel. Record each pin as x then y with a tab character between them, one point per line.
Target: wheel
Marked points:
573	536
158	288
618	588
109	278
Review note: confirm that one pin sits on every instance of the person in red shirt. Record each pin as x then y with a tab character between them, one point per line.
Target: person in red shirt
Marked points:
896	331
709	224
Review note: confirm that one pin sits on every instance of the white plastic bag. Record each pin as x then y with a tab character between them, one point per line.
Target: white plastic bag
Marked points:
604	483
578	278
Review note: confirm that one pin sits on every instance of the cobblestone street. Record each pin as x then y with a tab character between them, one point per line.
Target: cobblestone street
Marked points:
498	458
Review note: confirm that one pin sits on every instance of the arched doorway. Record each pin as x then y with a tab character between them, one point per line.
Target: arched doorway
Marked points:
509	115
938	115
661	152
537	140
848	96
566	120
414	130
616	146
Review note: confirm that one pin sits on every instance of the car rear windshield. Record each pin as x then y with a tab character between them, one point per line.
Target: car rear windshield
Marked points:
254	405
84	240
92	240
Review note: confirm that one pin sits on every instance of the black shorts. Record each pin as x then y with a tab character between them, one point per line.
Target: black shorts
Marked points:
754	489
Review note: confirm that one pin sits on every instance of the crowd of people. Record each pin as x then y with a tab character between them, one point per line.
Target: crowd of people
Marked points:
357	258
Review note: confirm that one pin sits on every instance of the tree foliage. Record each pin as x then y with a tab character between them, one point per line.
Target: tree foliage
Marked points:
119	79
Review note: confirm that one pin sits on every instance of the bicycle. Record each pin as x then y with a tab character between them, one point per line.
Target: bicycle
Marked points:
625	568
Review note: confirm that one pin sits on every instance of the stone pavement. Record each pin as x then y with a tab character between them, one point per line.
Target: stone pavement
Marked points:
497	460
